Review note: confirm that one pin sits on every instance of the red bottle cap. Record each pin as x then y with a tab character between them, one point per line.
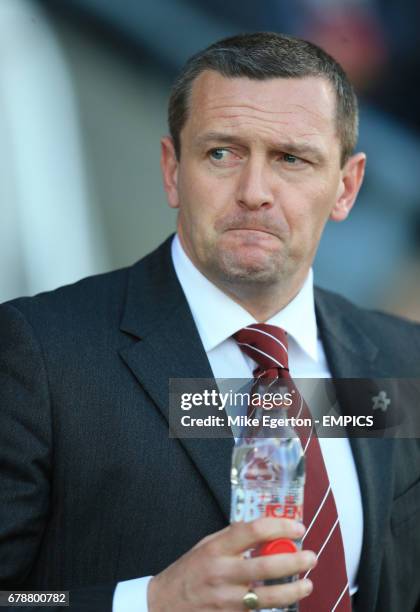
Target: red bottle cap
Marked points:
276	547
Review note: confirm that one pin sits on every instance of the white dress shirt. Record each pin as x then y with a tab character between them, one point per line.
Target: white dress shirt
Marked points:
216	325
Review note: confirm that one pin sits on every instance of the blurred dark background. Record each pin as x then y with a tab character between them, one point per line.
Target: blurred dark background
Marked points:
83	93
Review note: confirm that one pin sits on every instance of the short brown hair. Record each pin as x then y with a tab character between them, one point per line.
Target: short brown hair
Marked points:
266	55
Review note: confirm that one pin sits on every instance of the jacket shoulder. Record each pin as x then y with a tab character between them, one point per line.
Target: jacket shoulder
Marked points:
384	329
87	303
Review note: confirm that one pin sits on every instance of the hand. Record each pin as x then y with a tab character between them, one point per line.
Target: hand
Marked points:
214	575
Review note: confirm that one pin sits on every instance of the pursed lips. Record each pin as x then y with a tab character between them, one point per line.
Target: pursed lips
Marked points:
252	229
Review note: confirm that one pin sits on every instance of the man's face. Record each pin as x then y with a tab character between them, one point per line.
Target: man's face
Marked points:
258	177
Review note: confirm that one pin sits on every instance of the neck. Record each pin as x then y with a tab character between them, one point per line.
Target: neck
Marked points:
263	302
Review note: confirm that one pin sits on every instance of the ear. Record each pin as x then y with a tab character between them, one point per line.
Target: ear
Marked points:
350	183
169	166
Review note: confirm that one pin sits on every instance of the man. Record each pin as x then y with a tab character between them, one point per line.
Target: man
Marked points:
93	490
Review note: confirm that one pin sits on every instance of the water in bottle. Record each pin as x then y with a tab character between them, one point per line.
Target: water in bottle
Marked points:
268	477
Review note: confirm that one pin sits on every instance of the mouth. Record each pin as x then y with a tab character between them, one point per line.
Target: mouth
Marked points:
253	230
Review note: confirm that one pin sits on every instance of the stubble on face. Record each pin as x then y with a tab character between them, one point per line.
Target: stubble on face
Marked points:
242	248
247	249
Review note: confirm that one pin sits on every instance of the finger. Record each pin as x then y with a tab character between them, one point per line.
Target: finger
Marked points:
283	595
272	566
229	598
241	536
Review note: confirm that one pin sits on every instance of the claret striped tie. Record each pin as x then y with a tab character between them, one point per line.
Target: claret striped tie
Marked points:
267	346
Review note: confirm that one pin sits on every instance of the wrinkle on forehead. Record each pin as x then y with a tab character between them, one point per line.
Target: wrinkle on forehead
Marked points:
277	120
306	100
237	110
230	129
247	128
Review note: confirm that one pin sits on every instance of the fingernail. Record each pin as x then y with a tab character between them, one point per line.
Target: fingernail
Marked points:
300	528
307	586
310	558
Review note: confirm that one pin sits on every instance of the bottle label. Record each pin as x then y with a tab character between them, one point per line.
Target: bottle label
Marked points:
250	504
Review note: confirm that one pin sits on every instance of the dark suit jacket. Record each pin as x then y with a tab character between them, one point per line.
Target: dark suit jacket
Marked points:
92	489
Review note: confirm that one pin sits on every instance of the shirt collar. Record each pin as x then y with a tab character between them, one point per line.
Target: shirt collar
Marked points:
218	317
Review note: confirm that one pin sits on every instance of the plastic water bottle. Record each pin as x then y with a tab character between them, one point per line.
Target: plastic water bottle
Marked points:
268	477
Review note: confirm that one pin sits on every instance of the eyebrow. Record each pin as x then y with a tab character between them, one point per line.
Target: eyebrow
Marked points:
292	147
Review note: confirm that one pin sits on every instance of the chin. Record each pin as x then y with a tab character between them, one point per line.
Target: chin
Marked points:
249	269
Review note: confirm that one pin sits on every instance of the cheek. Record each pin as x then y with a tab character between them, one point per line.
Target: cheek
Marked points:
204	198
196	208
308	209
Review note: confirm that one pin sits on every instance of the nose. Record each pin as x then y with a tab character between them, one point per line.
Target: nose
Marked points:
253	191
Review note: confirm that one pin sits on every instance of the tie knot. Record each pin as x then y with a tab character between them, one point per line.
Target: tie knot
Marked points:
267	345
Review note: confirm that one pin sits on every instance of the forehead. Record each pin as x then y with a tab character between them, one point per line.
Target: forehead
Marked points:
278	107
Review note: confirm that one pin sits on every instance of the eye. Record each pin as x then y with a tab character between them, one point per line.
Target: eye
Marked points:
290	159
219	154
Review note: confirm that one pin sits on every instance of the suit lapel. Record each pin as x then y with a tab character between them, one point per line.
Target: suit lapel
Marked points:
168	346
351	354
